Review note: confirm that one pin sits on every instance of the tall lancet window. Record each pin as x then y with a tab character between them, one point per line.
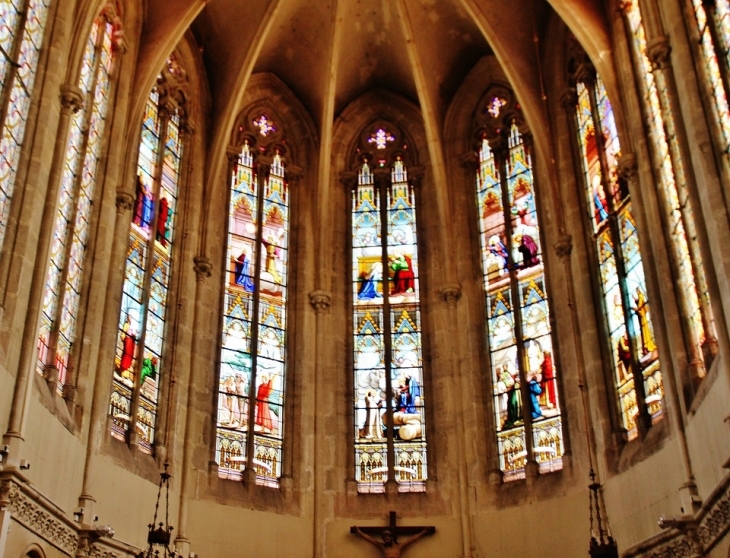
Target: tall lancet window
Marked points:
22	24
633	350
712	19
78	183
139	365
390	425
689	273
250	431
527	406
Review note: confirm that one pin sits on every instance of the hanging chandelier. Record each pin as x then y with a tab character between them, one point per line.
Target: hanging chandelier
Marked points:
158	538
602	543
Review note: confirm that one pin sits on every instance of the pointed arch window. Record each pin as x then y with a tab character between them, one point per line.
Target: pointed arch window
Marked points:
527	405
250	424
389	407
712	20
139	363
22	24
627	314
77	189
689	273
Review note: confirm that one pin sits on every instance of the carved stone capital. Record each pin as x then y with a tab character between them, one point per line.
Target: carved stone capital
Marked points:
627	166
125	202
187	128
72	98
569	99
450	294
203	268
564	246
320	301
659	51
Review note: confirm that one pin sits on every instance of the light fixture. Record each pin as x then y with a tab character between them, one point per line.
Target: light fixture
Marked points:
158	539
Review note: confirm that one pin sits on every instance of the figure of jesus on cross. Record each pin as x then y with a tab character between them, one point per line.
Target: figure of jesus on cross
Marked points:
390	547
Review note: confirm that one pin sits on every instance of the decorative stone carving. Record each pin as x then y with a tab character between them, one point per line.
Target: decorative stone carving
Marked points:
320	301
627	166
659	51
451	294
203	268
72	99
34	517
125	202
716	521
569	99
564	246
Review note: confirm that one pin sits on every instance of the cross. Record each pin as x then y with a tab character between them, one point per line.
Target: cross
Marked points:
390	547
381	138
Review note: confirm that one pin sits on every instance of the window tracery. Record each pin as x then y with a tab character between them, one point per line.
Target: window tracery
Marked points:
389	401
250	423
23	25
671	179
78	182
625	301
139	362
524	372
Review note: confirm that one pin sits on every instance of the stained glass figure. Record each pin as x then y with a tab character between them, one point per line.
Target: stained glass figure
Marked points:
78	180
22	26
250	424
524	372
139	364
687	260
623	286
388	357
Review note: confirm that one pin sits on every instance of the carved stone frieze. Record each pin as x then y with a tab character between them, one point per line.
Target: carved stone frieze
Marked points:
36	518
320	301
716	521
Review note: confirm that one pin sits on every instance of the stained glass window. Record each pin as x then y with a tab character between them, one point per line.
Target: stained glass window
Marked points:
250	424
687	260
78	181
621	271
713	25
22	24
527	404
390	421
139	364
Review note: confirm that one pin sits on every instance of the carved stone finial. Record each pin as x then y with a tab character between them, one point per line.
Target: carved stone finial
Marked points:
569	99
320	301
450	293
627	166
72	98
564	246
125	202
203	268
659	51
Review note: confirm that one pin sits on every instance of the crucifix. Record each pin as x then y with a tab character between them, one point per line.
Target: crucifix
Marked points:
389	546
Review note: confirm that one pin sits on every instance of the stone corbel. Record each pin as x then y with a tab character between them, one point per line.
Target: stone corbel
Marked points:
125	202
320	301
569	99
627	167
564	246
450	294
203	268
72	98
659	51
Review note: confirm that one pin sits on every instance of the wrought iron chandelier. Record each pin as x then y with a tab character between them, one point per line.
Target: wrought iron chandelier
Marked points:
158	538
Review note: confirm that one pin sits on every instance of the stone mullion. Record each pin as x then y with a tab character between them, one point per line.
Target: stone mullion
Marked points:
164	401
720	48
132	435
51	369
262	170
659	54
643	418
382	183
501	153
